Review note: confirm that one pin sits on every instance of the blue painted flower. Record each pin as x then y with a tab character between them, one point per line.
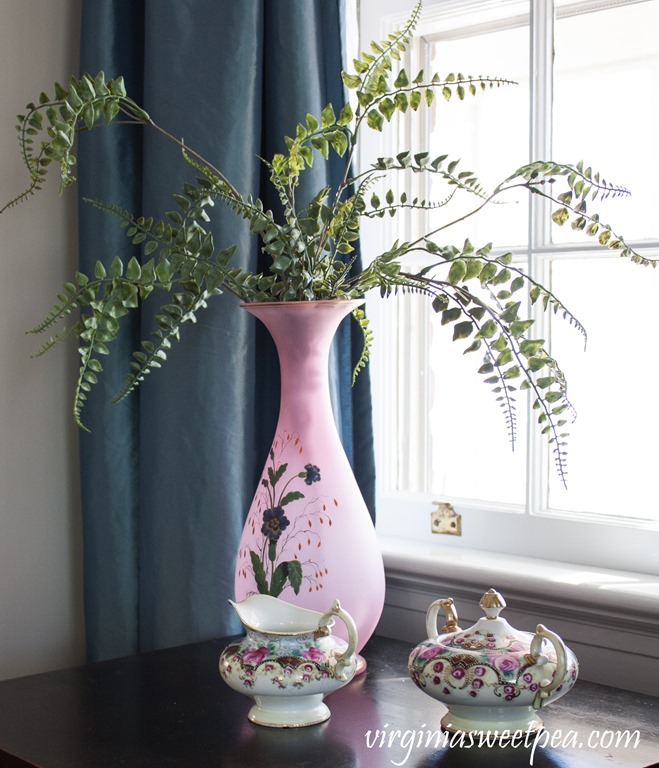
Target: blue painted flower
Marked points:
313	474
274	523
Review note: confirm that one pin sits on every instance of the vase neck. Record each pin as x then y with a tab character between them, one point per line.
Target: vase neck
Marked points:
303	333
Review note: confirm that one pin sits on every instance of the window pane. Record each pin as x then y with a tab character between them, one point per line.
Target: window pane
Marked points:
470	454
613	452
450	433
488	132
470	450
606	109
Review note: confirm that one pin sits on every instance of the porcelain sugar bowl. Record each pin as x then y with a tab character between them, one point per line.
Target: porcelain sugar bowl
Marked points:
491	677
288	661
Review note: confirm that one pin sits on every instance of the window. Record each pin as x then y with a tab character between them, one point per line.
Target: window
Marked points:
588	88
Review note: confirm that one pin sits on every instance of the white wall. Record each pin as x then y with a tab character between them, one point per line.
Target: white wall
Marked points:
41	624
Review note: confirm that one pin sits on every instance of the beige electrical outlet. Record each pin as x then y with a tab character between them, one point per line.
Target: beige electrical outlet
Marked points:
444	519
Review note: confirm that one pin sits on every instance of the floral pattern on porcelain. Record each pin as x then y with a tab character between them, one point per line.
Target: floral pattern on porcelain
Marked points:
490	676
289	660
260	661
467	666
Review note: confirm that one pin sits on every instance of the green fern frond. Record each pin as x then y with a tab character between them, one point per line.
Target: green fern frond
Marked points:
583	186
422	163
497	329
84	103
171	317
284	193
72	297
144	362
58	313
502	278
89	367
199	166
121	215
379	210
372	67
367	334
64	333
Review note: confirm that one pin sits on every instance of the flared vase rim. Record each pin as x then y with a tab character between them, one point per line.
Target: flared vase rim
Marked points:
301	303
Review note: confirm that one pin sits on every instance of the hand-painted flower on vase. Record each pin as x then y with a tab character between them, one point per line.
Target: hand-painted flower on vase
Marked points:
312	474
275	564
274	523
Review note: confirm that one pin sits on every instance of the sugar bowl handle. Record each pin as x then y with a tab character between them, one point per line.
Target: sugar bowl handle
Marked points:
451	615
547	686
346	661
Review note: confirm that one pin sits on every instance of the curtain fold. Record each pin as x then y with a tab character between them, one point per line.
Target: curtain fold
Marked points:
168	474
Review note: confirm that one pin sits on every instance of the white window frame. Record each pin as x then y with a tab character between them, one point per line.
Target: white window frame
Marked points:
594	544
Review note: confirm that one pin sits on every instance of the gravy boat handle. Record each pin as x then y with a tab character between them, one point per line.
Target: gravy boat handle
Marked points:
346	661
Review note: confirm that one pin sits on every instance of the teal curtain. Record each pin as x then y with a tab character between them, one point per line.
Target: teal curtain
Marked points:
169	473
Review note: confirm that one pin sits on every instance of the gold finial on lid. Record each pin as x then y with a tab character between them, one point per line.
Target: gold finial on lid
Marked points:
492	603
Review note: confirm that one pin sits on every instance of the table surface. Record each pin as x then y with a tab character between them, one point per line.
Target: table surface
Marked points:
170	709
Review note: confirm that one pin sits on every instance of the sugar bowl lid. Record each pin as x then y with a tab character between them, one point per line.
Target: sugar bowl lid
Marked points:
490	633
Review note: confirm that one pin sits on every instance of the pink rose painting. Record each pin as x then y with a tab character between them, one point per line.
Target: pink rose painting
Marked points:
430	652
313	654
255	655
505	663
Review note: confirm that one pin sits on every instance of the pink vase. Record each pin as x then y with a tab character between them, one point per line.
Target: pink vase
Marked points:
308	537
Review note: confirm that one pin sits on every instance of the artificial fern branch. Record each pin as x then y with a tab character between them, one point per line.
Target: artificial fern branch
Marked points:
64	333
367	334
537	291
573	203
312	250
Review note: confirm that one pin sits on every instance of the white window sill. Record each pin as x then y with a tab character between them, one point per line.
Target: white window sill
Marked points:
633	594
609	618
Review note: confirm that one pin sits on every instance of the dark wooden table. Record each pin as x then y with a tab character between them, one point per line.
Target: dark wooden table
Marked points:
170	709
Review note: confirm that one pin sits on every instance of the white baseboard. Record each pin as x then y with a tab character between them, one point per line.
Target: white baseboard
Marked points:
613	632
